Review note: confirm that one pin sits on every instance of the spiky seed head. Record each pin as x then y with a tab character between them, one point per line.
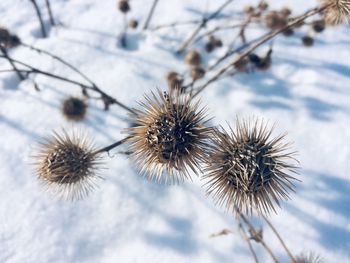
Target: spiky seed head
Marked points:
67	165
248	9
124	6
274	20
197	73
247	169
263	6
307	41
133	23
170	137
193	58
337	12
174	81
74	109
308	258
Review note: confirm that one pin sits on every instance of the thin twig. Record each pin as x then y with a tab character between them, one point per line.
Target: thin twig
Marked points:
5	55
202	25
246	238
263	40
174	24
280	239
48	5
107	99
150	14
114	145
38	13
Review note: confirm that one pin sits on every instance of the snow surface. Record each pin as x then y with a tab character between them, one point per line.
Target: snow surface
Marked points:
128	219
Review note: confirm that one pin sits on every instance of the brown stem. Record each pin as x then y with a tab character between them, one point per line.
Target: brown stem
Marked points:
114	145
255	232
48	5
202	25
150	14
107	99
246	238
263	40
174	24
4	51
280	239
38	13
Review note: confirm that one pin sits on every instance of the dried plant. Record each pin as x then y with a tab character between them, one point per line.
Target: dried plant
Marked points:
248	169
193	58
133	23
174	81
74	109
67	165
337	12
124	6
308	258
169	136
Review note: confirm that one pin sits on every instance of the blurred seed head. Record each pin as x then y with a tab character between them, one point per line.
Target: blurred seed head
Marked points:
74	109
275	20
248	169
170	137
8	40
124	6
248	9
174	81
193	58
133	23
337	13
308	258
197	72
286	12
263	6
307	41
216	42
288	32
319	25
209	47
242	65
67	165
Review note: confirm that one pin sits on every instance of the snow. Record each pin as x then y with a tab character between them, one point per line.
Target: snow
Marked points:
128	219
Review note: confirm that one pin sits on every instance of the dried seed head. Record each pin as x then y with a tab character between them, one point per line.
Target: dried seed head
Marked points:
124	6
174	81
7	40
197	73
337	12
67	165
308	258
74	109
209	47
307	41
274	20
288	32
263	6
248	9
133	23
247	169
319	26
169	137
286	12
242	65
193	58
216	42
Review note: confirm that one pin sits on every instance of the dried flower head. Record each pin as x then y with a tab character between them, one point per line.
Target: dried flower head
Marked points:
170	137
67	165
215	41
74	109
133	23
124	6
308	41
197	72
247	170
248	9
308	258
285	11
275	20
8	40
193	58
209	47
174	81
337	12
242	65
263	5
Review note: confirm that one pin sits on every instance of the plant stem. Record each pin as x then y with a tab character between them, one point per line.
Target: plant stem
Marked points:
5	55
48	5
246	238
38	13
280	239
155	2
263	40
202	25
114	145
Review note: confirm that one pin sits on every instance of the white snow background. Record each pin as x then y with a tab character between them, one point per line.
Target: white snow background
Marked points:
128	219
